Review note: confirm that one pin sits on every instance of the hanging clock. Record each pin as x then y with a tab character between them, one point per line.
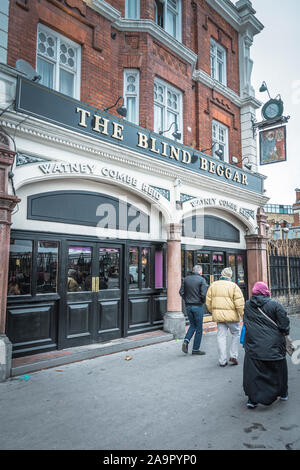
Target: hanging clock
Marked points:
272	109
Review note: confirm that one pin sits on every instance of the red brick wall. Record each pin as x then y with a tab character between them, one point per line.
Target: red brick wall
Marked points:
103	59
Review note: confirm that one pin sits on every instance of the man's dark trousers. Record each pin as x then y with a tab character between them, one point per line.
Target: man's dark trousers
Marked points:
195	315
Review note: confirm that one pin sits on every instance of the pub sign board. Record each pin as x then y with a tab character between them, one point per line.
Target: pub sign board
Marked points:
272	145
54	107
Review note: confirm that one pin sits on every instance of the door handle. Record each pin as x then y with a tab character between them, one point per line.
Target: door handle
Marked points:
211	278
93	284
97	284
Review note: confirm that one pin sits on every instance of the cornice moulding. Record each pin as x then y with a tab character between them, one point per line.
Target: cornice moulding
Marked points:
104	8
203	77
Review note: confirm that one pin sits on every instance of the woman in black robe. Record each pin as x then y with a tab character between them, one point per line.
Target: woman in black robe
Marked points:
265	374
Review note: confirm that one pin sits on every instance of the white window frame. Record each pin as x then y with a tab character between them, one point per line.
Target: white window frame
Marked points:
215	61
57	66
163	105
132	94
137	4
167	6
217	140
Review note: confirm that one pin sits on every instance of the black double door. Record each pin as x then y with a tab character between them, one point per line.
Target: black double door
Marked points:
92	293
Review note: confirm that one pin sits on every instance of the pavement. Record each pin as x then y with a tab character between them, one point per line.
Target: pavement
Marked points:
147	398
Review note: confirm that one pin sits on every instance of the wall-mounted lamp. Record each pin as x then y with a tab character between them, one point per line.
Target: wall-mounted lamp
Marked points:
218	153
264	88
248	165
175	134
122	110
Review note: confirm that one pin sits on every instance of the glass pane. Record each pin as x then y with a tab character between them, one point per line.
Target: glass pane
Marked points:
47	266
79	269
133	267
145	267
240	269
189	262
158	118
218	265
109	268
171	23
159	268
132	9
45	69
20	267
131	110
66	82
231	261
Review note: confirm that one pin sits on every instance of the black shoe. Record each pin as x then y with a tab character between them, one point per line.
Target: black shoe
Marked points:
199	353
224	365
185	347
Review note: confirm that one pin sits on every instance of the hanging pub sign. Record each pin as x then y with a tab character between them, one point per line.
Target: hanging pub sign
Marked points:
272	145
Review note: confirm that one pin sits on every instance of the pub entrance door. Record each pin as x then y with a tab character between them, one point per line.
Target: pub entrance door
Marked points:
91	304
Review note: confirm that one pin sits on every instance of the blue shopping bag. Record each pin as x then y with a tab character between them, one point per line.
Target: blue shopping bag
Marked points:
242	337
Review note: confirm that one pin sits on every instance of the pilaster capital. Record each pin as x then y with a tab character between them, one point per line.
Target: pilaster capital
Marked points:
174	232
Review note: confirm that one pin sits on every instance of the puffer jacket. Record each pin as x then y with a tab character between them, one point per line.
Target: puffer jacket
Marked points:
263	340
225	301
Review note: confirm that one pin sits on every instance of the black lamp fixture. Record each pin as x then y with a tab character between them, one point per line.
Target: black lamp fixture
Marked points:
264	88
218	153
246	165
122	110
175	134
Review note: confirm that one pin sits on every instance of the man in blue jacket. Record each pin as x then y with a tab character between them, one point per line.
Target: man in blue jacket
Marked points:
193	291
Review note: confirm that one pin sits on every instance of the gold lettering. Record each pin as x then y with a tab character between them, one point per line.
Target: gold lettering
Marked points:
117	134
212	167
152	148
186	157
83	115
174	153
220	170
99	124
228	173
203	164
143	141
164	149
244	180
236	177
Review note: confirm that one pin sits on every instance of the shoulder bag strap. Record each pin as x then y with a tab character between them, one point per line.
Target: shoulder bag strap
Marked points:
267	317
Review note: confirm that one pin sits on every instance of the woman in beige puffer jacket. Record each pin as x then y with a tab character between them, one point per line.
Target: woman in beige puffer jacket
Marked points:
225	301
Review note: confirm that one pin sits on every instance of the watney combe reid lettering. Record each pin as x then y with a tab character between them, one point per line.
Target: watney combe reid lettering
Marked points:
100	125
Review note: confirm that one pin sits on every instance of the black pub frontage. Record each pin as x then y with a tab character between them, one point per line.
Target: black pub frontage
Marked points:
111	217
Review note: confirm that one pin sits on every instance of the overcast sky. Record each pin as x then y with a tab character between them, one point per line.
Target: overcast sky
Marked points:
276	57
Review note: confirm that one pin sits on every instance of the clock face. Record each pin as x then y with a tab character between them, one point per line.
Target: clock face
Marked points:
272	109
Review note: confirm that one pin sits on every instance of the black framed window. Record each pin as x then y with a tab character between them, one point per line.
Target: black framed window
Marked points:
33	267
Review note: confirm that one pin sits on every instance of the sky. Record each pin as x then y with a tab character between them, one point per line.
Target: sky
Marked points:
275	52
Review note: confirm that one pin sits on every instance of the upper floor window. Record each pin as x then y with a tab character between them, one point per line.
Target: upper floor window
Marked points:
58	62
132	9
218	62
131	94
167	108
220	140
168	16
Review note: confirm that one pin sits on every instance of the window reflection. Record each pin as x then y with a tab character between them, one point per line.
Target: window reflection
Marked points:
133	267
47	266
231	261
109	268
218	265
79	269
240	269
20	267
145	267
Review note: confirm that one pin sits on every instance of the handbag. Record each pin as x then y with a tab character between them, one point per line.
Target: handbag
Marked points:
290	348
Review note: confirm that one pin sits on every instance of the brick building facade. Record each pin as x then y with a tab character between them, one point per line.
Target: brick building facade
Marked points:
183	69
